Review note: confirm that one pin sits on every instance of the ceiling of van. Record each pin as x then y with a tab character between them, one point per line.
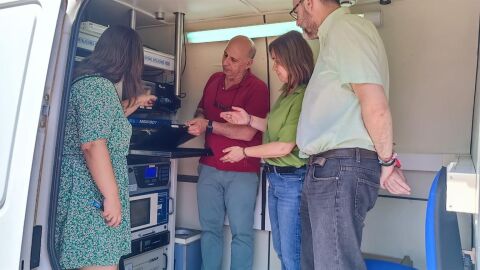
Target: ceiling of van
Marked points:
198	10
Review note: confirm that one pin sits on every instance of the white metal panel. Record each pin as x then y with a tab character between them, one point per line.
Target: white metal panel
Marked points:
13	54
28	28
210	9
205	9
462	194
270	6
475	151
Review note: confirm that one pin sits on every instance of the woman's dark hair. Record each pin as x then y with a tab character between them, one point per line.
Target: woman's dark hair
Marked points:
118	55
294	54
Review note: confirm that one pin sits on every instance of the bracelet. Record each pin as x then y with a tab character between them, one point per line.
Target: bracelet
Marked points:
398	164
249	120
392	161
244	153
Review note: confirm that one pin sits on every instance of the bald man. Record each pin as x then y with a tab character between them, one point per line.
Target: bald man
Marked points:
223	187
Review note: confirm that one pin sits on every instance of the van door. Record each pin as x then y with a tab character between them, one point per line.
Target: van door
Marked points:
27	29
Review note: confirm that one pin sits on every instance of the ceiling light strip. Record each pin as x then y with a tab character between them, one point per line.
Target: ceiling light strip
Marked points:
254	31
262	30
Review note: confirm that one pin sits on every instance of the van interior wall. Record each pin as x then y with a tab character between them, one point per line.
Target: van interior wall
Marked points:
432	58
432	51
475	149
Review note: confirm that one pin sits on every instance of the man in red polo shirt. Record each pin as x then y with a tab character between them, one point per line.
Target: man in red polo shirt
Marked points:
229	188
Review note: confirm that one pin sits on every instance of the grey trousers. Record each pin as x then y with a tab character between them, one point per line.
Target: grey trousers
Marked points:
234	194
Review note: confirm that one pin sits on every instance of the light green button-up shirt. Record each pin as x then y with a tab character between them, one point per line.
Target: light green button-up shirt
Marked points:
351	51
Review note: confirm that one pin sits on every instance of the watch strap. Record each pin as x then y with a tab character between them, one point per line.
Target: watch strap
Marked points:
209	127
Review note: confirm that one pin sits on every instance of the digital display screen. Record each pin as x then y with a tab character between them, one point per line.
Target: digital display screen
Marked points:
150	172
139	212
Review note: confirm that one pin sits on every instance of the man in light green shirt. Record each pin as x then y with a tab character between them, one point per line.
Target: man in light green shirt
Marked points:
345	128
332	113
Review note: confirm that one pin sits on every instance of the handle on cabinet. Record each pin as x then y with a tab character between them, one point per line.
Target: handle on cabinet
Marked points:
166	261
171	209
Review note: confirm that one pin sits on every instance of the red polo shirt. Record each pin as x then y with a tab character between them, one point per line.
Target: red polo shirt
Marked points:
250	94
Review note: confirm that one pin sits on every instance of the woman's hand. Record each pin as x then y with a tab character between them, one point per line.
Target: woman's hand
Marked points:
112	211
234	154
146	100
238	116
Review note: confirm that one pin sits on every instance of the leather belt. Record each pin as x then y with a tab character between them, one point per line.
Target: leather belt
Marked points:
357	153
278	169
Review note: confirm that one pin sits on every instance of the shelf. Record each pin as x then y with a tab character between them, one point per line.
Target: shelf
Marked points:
174	153
90	32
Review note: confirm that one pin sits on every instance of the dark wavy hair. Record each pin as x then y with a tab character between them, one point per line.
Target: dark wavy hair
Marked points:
295	55
118	55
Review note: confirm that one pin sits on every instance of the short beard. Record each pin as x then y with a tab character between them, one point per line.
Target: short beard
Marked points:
309	36
311	29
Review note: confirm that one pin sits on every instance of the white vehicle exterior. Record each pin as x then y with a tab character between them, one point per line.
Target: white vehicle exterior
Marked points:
29	29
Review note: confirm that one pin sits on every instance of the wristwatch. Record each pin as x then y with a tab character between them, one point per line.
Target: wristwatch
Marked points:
209	127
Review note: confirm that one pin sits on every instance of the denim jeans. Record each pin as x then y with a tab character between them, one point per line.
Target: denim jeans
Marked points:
338	192
284	193
232	193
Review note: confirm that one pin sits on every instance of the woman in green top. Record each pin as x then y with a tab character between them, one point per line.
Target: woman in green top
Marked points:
92	229
293	64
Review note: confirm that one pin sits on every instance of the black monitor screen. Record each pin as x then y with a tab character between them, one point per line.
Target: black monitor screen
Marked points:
139	212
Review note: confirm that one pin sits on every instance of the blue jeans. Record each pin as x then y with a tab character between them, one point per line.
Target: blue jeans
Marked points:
233	193
284	194
340	187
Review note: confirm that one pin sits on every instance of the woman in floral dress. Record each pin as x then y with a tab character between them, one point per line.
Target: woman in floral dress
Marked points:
93	216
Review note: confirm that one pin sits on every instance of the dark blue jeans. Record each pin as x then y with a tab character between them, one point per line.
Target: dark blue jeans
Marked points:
284	193
340	187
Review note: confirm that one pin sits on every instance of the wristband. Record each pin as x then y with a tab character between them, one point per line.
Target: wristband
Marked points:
397	164
393	161
244	153
249	120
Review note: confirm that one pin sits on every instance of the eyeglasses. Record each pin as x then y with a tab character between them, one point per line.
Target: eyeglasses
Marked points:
293	12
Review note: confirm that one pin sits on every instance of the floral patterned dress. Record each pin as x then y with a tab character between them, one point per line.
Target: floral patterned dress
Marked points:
82	237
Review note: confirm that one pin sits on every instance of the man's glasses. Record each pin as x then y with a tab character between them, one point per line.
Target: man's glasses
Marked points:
293	12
